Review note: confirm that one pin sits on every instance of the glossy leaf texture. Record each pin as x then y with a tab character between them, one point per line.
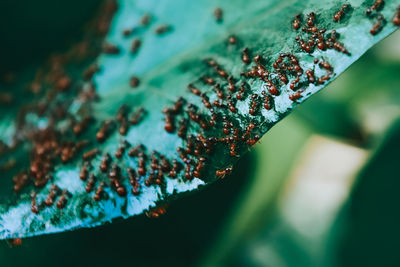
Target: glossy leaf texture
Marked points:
209	83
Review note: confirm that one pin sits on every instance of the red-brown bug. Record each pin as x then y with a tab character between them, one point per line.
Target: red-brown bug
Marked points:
142	166
110	49
267	100
90	71
99	192
199	167
294	83
378	26
34	207
169	122
81	126
133	181
52	195
311	19
175	168
223	172
134	81
232	39
325	65
137	116
83	174
14	242
376	6
135	151
239	95
194	90
253	104
120	151
253	140
339	47
218	13
219	92
127	32
231	84
145	20
339	15
296	22
396	17
105	162
246	56
62	201
163	29
156	212
135	45
63	84
104	131
90	154
296	95
182	128
208	80
310	76
90	183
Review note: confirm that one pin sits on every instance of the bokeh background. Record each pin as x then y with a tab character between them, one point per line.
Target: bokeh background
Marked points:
320	189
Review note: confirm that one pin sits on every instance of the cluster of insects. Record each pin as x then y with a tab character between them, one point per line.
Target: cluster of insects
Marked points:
223	117
373	13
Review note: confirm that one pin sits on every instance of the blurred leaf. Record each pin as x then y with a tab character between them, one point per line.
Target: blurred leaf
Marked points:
166	64
371	219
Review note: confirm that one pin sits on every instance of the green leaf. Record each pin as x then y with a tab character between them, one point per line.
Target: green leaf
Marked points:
165	64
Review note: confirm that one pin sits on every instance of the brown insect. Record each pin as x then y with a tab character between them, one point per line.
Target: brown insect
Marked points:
218	14
110	49
135	45
99	192
175	168
137	116
52	195
339	15
325	65
105	162
199	167
182	128
134	81
223	172
239	95
145	20
267	100
163	29
104	131
90	183
378	26
90	71
310	76
396	18
253	104
232	39
296	22
194	90
246	56
133	181
90	154
62	201
81	126
135	151
169	122
142	166
376	6
311	19
296	95
34	207
83	174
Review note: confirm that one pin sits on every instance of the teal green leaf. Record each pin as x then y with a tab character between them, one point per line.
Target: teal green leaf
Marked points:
165	64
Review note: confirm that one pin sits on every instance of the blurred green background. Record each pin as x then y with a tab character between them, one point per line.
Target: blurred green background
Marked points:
321	188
